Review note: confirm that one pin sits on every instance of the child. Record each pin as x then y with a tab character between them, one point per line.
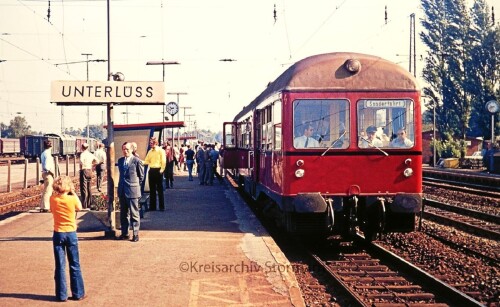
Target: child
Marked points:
64	204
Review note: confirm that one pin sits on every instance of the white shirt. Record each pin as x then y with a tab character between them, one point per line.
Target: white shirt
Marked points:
300	142
100	155
48	161
397	142
374	143
86	159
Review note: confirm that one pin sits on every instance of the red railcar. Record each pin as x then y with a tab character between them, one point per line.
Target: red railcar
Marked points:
333	145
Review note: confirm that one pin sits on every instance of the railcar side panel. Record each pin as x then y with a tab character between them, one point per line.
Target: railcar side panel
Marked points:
10	147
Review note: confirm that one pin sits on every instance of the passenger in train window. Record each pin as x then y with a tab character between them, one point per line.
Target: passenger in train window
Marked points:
401	140
64	204
371	140
306	140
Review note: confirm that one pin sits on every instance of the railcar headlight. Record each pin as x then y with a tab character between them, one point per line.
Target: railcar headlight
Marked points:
408	172
299	173
300	163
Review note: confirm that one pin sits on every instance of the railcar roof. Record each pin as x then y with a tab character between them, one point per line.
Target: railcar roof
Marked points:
328	72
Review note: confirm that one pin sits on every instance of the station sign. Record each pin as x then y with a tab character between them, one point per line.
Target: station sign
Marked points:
105	92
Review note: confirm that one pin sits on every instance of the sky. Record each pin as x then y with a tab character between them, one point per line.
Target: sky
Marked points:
37	47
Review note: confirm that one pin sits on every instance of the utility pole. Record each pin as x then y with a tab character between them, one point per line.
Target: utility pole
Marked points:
412	46
163	63
178	129
88	110
184	119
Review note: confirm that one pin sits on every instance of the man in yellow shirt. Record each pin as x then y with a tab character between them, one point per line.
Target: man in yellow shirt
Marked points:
156	160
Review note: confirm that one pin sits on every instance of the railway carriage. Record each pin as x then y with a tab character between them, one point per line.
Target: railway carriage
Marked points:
67	143
32	145
81	139
10	147
317	148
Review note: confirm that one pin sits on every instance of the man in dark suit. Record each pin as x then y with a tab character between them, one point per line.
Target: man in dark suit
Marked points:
129	191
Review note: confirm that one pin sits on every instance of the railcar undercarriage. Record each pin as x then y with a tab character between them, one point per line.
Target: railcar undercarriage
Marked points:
347	215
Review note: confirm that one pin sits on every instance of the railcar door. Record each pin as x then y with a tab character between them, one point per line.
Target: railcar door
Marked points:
233	157
257	148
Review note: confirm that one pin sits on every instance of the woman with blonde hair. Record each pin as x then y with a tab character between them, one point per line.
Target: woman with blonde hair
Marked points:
64	203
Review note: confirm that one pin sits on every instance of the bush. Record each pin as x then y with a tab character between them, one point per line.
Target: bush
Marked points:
449	148
99	202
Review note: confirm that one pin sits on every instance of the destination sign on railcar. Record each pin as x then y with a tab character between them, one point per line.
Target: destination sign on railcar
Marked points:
385	103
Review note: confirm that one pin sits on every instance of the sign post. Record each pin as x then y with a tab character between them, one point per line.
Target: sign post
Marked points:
81	93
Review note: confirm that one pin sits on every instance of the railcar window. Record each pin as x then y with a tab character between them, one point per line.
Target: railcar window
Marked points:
277	124
386	123
321	123
229	140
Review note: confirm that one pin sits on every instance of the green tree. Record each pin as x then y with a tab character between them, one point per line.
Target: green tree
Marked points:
72	131
3	130
461	65
434	71
95	131
485	67
18	127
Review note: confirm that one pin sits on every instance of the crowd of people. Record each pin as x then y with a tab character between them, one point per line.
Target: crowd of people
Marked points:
59	196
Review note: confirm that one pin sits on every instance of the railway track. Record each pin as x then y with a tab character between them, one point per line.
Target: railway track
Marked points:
21	205
474	181
374	276
456	186
471	221
28	199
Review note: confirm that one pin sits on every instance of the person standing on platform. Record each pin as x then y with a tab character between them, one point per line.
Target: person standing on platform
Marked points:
221	160
189	153
87	161
200	160
134	149
64	204
156	160
169	173
177	155
131	172
209	166
214	156
100	154
48	173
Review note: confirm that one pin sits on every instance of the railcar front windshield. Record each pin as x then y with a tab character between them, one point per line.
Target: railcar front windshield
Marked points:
320	123
385	123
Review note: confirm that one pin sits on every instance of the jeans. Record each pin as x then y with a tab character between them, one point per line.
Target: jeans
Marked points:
67	242
189	164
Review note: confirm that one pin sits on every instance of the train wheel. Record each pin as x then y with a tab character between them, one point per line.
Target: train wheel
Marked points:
375	221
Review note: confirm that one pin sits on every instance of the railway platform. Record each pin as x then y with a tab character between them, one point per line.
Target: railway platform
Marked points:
206	249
